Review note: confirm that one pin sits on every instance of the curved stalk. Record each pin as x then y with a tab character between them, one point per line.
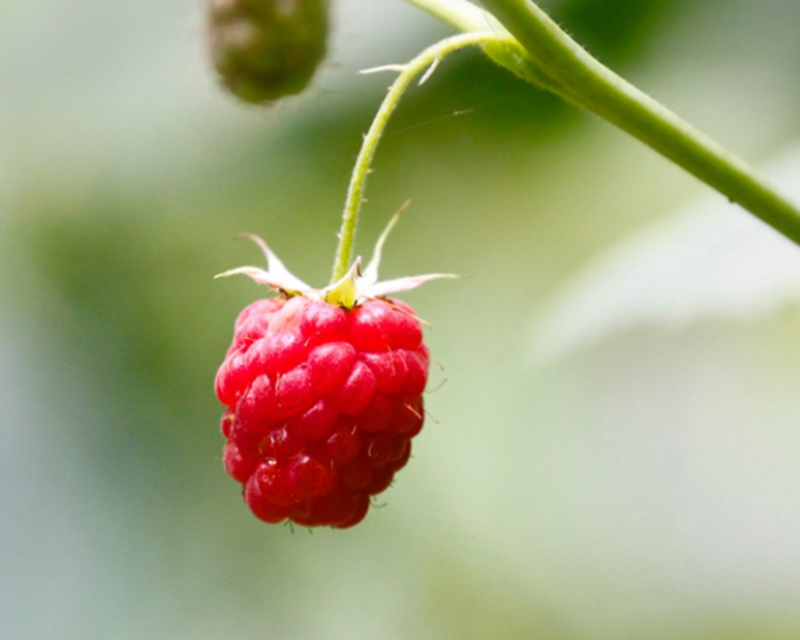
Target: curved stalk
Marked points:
428	59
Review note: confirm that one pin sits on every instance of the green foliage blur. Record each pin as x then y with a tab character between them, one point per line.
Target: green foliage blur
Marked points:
643	488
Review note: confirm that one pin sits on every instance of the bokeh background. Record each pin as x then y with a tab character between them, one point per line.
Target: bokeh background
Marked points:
643	485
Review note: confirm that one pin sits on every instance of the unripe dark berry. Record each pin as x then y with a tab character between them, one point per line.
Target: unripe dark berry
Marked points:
264	50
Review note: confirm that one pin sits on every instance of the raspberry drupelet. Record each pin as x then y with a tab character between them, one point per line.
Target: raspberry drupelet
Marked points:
323	394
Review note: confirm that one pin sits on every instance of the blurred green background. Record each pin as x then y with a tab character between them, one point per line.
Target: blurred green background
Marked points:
644	488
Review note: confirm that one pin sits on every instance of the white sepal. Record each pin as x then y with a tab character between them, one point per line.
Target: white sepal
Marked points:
277	269
402	284
370	276
350	291
277	277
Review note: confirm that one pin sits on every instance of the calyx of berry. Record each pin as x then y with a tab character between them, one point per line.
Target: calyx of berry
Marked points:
353	289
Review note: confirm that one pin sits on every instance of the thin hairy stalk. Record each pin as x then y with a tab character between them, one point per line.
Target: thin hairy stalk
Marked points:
428	59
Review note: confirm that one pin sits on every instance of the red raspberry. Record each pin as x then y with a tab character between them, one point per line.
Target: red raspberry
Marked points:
323	402
324	392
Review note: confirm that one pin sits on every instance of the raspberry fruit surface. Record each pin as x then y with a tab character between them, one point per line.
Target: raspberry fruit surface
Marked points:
322	404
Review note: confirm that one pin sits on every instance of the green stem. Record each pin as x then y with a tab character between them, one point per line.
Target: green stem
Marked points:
407	72
461	14
506	52
575	75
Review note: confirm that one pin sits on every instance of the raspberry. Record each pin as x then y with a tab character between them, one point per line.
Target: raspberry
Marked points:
322	404
323	390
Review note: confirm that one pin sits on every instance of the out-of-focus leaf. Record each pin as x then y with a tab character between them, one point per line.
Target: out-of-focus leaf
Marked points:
709	261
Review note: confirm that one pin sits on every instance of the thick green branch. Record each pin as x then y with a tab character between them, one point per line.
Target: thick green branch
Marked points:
571	72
